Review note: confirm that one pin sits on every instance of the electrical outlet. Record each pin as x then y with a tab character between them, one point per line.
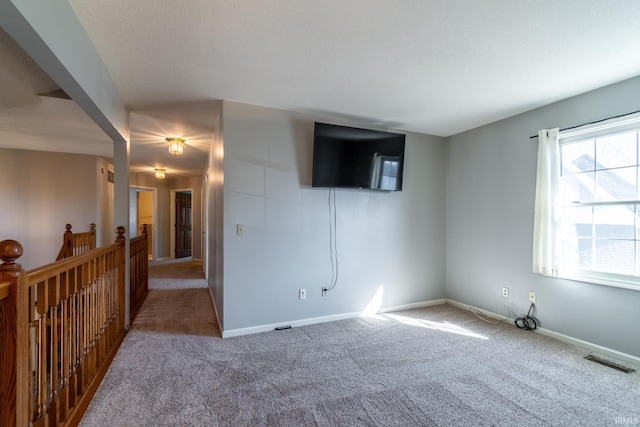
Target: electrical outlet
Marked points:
240	229
505	292
532	297
302	294
324	292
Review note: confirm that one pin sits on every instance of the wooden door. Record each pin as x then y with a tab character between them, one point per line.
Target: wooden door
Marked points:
183	225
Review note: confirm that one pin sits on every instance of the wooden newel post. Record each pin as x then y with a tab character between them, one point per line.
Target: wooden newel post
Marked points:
10	251
14	344
67	243
120	237
144	229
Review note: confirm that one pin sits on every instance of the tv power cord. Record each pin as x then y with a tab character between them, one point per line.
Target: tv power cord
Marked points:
527	322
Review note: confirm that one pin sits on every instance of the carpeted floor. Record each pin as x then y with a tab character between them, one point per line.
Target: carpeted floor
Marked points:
436	366
176	274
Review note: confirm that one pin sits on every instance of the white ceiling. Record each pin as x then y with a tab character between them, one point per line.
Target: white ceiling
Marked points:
432	66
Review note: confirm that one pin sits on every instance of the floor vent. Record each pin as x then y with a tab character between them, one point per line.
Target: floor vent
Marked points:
610	364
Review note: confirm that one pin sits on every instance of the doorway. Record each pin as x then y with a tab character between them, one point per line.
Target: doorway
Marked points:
143	209
182	218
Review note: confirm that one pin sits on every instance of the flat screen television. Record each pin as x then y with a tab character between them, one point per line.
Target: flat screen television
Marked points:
348	157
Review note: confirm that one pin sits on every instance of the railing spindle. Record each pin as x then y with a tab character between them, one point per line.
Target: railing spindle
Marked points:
61	325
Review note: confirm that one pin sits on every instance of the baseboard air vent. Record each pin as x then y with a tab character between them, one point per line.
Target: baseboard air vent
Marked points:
610	364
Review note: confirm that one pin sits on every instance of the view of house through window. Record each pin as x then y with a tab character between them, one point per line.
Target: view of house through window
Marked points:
600	203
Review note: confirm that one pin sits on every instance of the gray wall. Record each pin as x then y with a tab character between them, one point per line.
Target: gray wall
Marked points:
393	241
214	199
42	191
490	186
106	233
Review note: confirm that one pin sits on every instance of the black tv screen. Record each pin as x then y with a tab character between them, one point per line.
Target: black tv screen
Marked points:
347	157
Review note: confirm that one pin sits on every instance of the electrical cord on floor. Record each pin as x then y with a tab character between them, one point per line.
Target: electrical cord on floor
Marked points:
527	322
479	316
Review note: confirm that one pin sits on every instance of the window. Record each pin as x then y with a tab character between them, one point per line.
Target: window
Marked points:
596	205
384	172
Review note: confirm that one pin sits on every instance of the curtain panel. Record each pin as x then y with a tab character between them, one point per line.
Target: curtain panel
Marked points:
547	212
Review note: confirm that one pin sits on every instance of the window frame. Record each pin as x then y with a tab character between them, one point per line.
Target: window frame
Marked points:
600	130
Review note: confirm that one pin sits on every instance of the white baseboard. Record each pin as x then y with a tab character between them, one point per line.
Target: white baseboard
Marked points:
323	319
487	313
629	358
412	306
302	322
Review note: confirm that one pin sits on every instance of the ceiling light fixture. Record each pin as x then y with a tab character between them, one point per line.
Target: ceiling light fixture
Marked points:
176	145
160	173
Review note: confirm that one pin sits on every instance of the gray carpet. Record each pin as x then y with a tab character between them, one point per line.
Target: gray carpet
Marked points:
176	274
437	366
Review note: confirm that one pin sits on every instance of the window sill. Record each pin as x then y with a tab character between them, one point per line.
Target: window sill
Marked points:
607	279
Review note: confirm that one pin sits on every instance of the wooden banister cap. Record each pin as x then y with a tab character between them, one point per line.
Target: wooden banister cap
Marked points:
68	227
10	251
120	230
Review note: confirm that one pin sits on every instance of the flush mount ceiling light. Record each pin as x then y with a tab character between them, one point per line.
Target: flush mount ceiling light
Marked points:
160	173
176	145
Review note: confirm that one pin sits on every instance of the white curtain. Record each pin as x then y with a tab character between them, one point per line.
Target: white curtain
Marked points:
546	218
376	170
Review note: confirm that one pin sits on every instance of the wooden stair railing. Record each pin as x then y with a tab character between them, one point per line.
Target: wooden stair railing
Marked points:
138	271
7	355
14	350
77	243
61	327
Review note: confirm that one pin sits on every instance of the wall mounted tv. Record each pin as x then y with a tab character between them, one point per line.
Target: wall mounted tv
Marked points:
347	157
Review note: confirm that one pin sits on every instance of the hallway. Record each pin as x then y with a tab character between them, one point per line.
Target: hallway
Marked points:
152	371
